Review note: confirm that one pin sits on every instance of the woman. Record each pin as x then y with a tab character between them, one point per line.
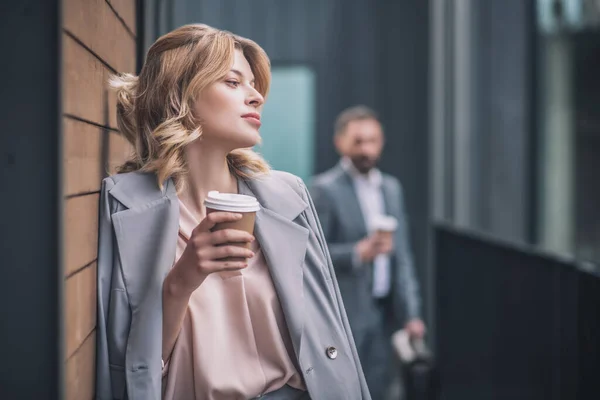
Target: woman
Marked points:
174	318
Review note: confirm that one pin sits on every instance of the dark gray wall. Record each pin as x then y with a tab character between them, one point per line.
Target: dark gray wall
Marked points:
369	52
402	90
503	118
30	287
587	145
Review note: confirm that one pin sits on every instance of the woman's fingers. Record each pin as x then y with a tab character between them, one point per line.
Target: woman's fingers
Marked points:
218	266
214	218
220	252
230	236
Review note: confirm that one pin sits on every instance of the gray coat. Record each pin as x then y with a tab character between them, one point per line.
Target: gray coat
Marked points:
343	225
137	241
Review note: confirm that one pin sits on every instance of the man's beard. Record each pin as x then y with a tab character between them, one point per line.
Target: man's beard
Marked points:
364	164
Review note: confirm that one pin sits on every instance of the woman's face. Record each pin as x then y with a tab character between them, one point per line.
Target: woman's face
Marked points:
229	109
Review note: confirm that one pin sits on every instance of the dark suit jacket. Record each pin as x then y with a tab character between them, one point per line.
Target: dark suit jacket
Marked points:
343	224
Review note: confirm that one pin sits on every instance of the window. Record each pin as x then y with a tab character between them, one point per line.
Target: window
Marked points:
569	127
289	120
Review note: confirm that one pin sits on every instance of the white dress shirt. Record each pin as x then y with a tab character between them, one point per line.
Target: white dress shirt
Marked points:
368	188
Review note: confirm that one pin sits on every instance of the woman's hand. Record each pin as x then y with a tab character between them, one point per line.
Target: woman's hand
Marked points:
202	256
205	252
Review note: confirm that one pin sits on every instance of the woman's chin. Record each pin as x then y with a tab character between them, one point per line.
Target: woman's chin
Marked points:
248	140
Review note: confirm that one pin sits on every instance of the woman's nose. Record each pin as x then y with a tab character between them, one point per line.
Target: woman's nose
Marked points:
254	98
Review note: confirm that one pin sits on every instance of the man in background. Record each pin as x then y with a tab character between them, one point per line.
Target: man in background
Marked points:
373	261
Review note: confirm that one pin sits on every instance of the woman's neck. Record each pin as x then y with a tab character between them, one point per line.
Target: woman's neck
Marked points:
207	170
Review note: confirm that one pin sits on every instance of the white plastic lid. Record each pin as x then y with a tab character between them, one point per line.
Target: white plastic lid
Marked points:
231	202
384	223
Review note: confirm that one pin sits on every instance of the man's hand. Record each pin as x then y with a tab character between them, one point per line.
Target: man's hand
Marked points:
384	242
366	249
415	328
374	245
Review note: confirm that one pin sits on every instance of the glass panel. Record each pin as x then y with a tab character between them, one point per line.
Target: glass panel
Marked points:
569	94
289	120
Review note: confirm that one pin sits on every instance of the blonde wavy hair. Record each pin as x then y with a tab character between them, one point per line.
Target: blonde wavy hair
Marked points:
154	109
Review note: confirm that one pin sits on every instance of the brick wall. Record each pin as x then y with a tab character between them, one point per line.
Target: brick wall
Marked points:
99	38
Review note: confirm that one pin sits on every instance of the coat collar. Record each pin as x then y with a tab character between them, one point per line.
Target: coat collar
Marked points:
373	177
275	194
138	190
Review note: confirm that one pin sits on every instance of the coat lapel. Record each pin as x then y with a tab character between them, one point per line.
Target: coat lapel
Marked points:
390	201
146	233
284	244
352	206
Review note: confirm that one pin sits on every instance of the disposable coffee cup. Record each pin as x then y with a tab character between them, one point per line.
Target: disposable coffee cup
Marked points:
384	225
236	203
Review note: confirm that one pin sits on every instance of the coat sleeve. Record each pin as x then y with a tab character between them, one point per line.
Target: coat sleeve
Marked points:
104	277
343	255
338	297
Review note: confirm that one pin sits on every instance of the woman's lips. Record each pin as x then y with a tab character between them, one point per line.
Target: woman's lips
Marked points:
254	119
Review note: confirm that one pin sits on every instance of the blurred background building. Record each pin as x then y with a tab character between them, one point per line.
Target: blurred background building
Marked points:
514	120
491	110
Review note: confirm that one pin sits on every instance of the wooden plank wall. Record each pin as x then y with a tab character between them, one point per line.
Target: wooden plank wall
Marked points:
99	39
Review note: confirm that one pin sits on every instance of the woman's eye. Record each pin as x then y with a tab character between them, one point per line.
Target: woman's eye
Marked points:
233	83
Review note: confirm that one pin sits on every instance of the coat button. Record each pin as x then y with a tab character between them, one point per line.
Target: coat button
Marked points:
331	352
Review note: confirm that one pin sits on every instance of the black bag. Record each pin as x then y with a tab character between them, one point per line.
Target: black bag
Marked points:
419	372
